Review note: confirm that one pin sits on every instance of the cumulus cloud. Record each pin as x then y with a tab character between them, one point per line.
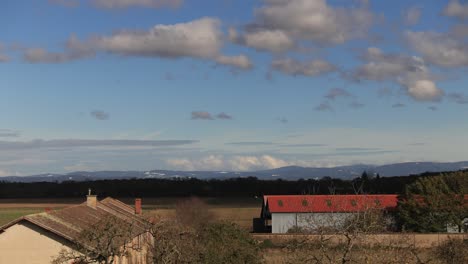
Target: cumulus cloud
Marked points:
324	107
240	61
412	15
310	68
201	115
409	71
314	20
118	4
74	50
439	49
456	9
100	115
336	93
235	163
9	133
73	143
423	90
263	39
201	38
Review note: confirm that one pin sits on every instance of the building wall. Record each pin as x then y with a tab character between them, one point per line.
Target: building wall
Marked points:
282	222
27	243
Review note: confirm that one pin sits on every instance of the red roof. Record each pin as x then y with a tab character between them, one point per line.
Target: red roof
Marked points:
328	203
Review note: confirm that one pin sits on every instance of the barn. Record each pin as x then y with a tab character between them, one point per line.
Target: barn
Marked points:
283	213
38	238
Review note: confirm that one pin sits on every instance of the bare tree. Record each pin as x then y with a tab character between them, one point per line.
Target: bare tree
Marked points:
109	239
193	212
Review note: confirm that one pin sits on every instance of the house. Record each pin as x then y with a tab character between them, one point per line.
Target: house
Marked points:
283	213
38	238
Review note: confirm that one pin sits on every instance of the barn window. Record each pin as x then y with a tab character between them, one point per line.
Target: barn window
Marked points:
377	202
280	203
304	202
329	202
353	202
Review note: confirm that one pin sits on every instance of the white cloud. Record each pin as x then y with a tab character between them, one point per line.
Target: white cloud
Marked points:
456	9
270	40
310	68
201	38
240	61
439	49
117	4
410	72
234	163
314	20
280	24
77	143
74	50
424	90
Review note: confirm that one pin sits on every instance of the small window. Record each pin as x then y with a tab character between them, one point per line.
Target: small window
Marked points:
353	203
280	203
305	202
377	202
329	202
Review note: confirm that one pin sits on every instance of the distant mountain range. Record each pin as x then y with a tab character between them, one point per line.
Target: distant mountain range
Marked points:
289	173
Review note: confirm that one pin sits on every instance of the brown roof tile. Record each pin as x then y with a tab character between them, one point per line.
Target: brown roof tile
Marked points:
70	221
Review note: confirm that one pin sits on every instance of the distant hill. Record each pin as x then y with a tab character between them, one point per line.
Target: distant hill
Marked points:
289	173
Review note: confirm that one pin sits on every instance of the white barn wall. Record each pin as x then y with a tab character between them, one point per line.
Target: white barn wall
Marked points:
282	222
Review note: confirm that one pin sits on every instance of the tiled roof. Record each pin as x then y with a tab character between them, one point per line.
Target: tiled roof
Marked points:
328	203
70	221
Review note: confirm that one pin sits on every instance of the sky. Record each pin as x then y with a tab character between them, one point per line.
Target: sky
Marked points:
89	85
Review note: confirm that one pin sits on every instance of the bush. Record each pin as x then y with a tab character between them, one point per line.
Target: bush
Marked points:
228	243
452	251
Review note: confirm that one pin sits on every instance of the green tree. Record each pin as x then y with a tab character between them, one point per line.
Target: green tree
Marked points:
432	203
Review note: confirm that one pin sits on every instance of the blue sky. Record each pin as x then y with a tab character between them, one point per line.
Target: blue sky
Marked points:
230	85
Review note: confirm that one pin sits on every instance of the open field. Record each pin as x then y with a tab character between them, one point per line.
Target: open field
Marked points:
240	211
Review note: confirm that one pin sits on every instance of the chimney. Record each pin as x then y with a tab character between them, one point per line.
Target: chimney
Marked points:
138	206
91	200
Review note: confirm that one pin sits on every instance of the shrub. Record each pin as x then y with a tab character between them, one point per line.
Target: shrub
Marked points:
452	251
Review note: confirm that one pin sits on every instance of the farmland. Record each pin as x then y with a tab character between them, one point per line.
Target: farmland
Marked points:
239	211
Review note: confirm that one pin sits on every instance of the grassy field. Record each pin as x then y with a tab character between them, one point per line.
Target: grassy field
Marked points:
240	211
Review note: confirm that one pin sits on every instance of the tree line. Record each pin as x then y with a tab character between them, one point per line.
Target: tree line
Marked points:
235	187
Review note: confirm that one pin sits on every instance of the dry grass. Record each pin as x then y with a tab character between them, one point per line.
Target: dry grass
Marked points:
239	211
239	215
